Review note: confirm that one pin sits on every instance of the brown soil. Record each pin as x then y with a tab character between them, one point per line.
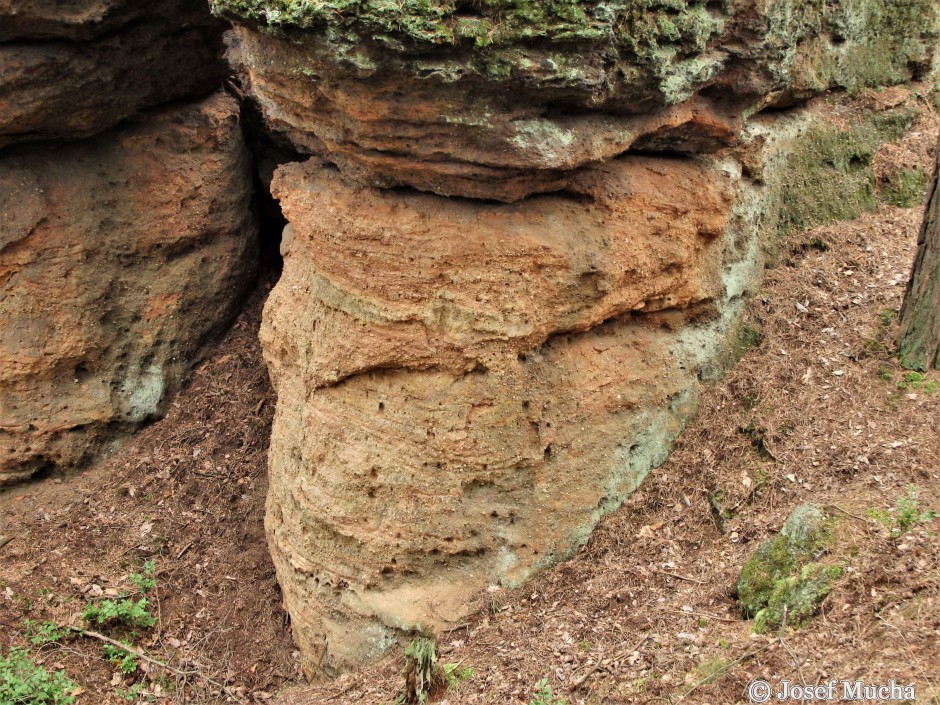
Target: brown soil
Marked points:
188	492
644	613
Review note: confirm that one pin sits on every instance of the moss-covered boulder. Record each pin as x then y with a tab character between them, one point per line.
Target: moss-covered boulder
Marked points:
796	599
783	583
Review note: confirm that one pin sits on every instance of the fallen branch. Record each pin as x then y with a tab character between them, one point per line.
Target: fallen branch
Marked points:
725	669
578	682
143	656
847	513
713	617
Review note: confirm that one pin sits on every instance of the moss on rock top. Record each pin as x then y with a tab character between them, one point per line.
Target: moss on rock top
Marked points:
494	22
782	583
637	49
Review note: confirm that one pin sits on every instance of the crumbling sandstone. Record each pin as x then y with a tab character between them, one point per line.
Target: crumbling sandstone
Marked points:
503	99
120	256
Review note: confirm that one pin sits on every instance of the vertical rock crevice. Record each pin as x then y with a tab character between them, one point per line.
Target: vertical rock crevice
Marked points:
128	234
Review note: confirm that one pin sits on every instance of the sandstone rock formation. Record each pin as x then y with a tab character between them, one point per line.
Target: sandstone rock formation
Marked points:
462	386
506	98
498	300
71	69
119	256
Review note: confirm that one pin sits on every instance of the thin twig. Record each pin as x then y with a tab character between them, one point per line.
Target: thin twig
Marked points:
678	577
578	682
139	653
714	617
847	513
183	550
725	669
465	625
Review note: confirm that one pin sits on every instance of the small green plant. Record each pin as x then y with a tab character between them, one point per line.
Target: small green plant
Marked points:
22	682
916	380
134	693
887	316
123	659
145	581
44	633
120	612
905	515
724	644
544	695
454	673
423	675
885	374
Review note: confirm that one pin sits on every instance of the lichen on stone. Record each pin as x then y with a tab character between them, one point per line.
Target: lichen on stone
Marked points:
796	598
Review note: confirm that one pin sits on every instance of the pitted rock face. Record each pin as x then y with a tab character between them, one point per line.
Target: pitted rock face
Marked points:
497	302
506	98
119	257
76	68
436	282
463	387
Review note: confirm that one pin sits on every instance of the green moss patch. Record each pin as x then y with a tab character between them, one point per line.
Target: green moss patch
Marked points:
795	599
660	47
830	174
907	188
783	582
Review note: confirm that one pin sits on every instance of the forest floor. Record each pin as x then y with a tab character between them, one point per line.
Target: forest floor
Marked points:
817	410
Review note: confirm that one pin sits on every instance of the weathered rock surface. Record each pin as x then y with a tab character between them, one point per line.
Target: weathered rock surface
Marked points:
497	302
76	68
465	387
119	257
456	411
384	279
502	99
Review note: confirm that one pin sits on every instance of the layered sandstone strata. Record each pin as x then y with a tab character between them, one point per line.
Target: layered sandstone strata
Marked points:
120	256
464	387
497	300
71	69
505	98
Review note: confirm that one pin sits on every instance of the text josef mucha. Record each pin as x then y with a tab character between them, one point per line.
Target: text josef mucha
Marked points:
831	691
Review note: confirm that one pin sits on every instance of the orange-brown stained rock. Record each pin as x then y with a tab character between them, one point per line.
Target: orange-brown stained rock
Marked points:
76	68
119	257
463	388
388	129
385	279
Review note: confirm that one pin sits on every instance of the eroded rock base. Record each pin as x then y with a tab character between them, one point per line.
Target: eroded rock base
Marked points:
465	388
